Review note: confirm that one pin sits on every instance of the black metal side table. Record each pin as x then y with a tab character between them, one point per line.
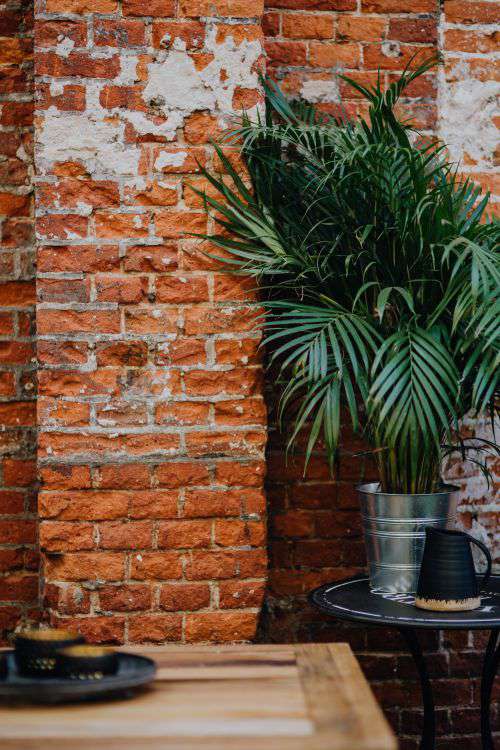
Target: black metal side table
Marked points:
352	600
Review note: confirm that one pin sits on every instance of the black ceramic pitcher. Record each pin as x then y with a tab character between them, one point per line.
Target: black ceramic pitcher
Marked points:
447	580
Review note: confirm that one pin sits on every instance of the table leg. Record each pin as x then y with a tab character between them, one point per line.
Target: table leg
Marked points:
490	667
428	740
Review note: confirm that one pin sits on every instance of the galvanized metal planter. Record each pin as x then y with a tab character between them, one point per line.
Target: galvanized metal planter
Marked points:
394	533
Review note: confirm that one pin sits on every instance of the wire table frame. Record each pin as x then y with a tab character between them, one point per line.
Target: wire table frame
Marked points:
353	601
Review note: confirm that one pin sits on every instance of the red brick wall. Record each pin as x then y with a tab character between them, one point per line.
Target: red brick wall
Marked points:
152	424
308	41
315	529
18	558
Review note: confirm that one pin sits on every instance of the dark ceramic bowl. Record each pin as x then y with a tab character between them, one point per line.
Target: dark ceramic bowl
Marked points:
36	650
84	662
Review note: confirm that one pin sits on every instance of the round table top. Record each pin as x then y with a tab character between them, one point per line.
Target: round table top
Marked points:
352	600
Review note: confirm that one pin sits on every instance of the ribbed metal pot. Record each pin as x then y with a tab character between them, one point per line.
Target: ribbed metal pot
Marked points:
394	533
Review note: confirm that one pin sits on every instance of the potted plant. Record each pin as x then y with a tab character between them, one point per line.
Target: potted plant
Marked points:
380	280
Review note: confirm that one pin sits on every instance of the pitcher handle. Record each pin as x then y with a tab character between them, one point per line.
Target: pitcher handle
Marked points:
487	554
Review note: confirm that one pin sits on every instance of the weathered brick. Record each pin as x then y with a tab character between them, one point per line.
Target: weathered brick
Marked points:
243	411
177	224
156	566
463	11
398	6
200	127
239	533
65	477
79	64
124	598
19	587
239	8
119	535
184	534
71	321
66	537
207	320
308	26
151	258
192	33
122	353
119	33
48	32
245	381
239	594
132	476
125	290
97	629
86	258
209	503
82	505
155	193
224	443
391	55
154	504
182	413
86	566
153	628
81	6
155	8
177	474
240	473
327	55
361	28
19	472
184	597
206	565
17	531
70	193
220	627
129	225
182	351
413	30
286	53
11	502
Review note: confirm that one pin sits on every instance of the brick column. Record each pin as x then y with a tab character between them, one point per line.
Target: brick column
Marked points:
152	425
18	557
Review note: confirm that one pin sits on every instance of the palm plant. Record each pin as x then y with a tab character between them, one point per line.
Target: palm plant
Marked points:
380	276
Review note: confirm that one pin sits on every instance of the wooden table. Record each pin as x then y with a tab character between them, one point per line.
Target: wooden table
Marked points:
304	697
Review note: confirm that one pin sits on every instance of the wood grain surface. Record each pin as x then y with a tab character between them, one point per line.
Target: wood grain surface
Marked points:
245	697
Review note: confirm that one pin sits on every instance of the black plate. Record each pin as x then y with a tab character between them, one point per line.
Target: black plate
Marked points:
133	672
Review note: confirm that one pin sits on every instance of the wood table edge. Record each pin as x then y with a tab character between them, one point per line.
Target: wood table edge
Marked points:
375	732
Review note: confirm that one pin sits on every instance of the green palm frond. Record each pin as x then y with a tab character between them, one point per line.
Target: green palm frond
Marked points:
327	350
379	272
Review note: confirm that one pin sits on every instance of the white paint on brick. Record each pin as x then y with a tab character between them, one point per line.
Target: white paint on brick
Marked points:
65	46
391	49
174	80
467	107
170	159
96	143
147	126
318	90
56	87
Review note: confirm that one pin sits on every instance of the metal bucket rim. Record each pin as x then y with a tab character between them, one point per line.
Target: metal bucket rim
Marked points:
445	489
